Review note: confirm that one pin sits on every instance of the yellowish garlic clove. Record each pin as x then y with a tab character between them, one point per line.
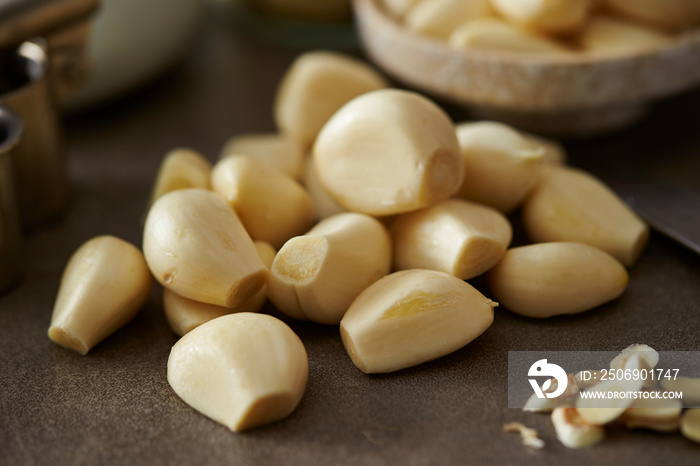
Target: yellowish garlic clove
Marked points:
399	8
549	279
317	276
690	424
458	237
571	205
241	370
411	317
500	165
196	246
548	16
324	204
388	152
315	87
104	285
272	206
184	315
276	150
613	36
496	35
554	153
181	168
438	18
573	431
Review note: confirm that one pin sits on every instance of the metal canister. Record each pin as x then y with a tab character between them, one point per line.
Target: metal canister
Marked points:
10	237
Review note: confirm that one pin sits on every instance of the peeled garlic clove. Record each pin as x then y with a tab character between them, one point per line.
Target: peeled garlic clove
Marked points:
690	424
551	16
196	247
388	152
411	317
272	206
438	18
279	151
660	414
315	87
184	315
549	279
104	285
553	152
318	275
573	431
672	15
690	386
493	34
324	204
603	410
500	166
457	237
241	370
646	352
572	205
612	36
181	169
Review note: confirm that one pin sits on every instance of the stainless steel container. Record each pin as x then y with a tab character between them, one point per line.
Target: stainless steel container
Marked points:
10	238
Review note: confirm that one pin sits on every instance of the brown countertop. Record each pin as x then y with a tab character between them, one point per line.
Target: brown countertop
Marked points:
115	406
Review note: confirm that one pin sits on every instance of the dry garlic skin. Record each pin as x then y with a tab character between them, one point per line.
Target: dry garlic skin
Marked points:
438	18
104	285
277	150
196	246
184	315
690	424
317	276
315	87
411	317
551	16
549	279
458	237
500	165
181	168
388	152
672	15
612	36
572	205
241	370
272	206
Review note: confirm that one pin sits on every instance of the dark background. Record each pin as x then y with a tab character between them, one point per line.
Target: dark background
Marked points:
114	406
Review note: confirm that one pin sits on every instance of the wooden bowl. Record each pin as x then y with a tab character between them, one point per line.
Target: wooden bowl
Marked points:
569	95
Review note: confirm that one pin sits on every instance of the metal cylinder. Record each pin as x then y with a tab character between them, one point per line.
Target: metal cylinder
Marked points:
40	175
10	238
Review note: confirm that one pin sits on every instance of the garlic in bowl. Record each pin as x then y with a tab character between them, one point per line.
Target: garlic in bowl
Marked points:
555	87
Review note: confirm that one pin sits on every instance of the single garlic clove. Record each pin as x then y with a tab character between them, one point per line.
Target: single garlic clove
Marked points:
500	165
388	152
315	87
690	424
612	36
324	204
184	315
572	205
690	386
671	15
241	370
272	206
573	431
277	150
196	246
438	18
104	285
597	410
549	16
496	35
411	317
181	169
549	279
458	237
318	275
660	414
